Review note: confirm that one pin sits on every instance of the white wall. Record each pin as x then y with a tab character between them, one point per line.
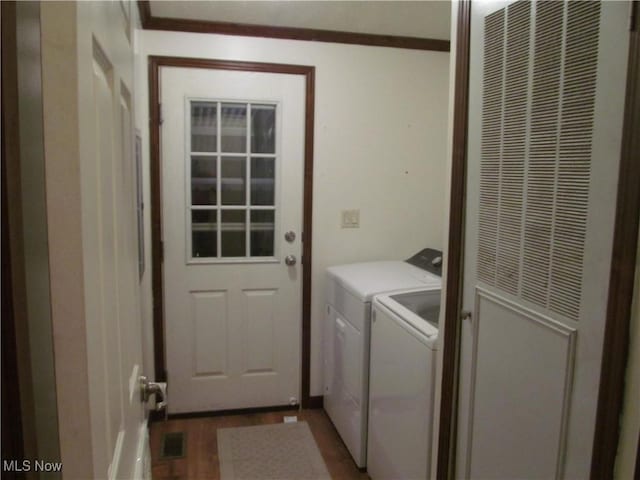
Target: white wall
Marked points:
380	146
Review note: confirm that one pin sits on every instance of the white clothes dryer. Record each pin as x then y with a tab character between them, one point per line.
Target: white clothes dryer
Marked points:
350	290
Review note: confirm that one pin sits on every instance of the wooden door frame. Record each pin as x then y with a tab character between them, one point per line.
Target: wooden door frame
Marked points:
637	469
621	280
13	425
157	62
18	401
447	433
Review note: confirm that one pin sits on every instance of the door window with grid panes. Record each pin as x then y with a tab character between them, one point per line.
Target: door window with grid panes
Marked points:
232	163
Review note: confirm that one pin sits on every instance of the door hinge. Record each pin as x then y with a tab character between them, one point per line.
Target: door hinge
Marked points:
161	251
160	117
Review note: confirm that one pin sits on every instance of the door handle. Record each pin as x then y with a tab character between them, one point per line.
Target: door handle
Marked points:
159	389
290	260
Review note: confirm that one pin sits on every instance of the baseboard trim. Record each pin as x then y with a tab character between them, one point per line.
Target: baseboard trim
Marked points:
316	402
158	416
155	416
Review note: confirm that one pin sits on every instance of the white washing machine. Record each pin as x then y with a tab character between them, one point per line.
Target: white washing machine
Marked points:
404	338
350	290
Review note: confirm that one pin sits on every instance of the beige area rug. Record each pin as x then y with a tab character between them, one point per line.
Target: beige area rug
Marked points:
282	451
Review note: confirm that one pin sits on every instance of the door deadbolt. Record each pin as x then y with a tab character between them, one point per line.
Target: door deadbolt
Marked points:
290	236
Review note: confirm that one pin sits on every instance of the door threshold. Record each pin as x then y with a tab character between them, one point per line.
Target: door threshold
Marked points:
220	413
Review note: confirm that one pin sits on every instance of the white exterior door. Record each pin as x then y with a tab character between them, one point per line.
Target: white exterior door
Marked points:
232	184
547	82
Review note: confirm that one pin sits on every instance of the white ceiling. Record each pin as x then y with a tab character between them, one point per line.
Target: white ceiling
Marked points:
424	19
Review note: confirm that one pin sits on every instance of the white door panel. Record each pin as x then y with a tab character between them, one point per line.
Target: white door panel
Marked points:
209	313
507	331
87	67
111	258
547	83
232	306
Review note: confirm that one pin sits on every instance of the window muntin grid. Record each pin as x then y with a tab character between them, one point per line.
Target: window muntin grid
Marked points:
232	167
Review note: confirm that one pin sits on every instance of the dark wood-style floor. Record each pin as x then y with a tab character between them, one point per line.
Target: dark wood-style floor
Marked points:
201	459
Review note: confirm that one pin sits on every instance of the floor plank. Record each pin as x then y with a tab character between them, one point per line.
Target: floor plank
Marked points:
201	459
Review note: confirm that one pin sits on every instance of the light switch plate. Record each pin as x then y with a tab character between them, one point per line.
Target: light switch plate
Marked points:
351	218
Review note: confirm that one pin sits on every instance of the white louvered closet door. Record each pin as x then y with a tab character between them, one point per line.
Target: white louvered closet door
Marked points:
547	83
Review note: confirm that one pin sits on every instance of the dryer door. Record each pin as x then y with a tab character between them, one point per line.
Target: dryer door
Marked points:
343	399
